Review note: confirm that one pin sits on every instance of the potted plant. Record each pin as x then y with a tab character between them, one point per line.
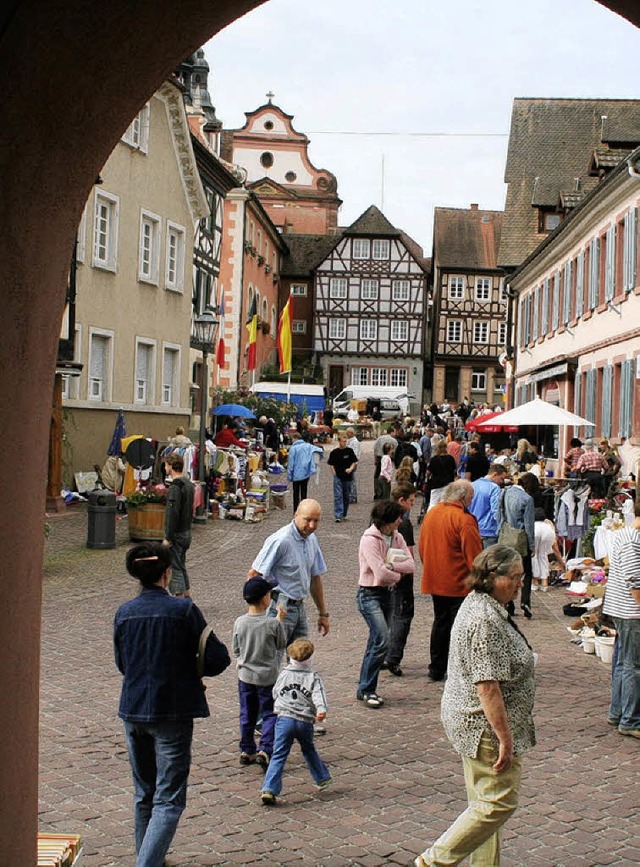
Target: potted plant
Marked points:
145	510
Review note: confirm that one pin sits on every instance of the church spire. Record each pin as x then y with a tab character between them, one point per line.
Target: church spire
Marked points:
194	75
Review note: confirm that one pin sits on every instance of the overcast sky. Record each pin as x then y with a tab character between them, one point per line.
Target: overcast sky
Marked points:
409	67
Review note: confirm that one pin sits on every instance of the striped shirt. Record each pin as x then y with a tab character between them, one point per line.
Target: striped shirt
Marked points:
624	575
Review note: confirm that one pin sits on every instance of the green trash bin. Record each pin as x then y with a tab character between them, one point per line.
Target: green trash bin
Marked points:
101	514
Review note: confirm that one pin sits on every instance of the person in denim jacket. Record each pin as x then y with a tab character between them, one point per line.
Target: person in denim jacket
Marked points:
156	640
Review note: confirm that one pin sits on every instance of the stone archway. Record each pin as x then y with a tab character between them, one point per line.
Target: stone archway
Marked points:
74	73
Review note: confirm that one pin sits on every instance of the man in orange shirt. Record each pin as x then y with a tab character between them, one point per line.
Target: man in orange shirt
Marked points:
449	543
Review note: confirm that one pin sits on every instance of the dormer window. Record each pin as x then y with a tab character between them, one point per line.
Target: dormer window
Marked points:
548	220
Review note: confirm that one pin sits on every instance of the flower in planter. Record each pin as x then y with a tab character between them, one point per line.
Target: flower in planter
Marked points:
150	494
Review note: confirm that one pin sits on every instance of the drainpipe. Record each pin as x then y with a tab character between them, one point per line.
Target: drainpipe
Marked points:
240	321
510	347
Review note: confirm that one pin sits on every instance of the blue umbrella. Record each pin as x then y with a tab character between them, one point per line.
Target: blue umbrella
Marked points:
235	410
120	431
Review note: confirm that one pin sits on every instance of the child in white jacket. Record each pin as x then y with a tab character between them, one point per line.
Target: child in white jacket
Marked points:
299	701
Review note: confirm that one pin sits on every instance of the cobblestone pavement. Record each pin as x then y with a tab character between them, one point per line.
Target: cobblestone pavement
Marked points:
398	783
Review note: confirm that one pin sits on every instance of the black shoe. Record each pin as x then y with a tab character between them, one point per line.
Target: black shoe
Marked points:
395	669
384	666
262	759
433	675
527	611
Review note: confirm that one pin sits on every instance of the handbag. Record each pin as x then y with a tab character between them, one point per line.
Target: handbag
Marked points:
213	656
509	536
512	538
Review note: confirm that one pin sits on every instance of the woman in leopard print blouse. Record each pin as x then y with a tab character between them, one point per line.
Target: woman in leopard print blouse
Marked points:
487	708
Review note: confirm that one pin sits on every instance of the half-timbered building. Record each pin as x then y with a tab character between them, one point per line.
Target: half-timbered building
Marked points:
469	306
370	307
297	276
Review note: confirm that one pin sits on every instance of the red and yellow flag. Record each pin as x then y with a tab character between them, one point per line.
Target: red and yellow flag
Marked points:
285	337
252	328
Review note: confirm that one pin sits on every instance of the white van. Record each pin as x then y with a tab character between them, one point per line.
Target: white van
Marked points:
342	401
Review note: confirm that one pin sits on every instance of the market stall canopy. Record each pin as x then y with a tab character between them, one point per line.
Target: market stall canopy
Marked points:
536	412
234	410
473	423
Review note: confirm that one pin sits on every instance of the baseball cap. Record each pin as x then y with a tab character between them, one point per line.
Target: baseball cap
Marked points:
255	588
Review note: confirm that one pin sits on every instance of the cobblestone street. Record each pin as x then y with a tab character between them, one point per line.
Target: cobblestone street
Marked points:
398	782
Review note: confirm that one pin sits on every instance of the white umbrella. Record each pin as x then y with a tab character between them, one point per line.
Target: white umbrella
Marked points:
536	412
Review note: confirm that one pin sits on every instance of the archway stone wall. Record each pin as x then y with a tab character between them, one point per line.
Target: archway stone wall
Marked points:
74	74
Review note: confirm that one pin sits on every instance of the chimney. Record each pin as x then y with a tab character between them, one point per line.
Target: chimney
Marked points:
474	206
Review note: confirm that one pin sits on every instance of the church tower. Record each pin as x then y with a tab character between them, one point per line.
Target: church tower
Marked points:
299	198
194	76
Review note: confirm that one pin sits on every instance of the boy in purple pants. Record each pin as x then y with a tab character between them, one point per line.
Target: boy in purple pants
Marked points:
257	643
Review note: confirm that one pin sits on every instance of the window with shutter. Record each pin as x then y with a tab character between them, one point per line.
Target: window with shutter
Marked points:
610	264
590	395
594	273
144	373
98	360
579	305
568	293
627	384
536	311
545	307
555	313
577	400
170	377
174	268
105	231
630	250
607	384
149	252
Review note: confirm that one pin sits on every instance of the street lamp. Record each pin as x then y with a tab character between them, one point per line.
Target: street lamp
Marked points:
205	327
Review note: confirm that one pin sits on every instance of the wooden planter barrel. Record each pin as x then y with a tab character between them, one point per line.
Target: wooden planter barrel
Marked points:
146	522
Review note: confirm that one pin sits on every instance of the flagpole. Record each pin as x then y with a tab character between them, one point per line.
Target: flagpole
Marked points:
289	387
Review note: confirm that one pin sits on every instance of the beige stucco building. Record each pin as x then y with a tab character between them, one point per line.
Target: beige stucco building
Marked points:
134	287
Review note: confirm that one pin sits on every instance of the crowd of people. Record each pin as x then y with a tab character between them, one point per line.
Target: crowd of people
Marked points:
484	545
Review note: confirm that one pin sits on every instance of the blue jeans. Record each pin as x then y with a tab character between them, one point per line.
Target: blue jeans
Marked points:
180	582
341	494
353	495
256	701
295	622
625	675
160	757
287	731
374	603
402	611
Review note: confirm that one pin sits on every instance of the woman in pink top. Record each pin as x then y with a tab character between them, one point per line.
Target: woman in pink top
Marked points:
386	471
383	557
